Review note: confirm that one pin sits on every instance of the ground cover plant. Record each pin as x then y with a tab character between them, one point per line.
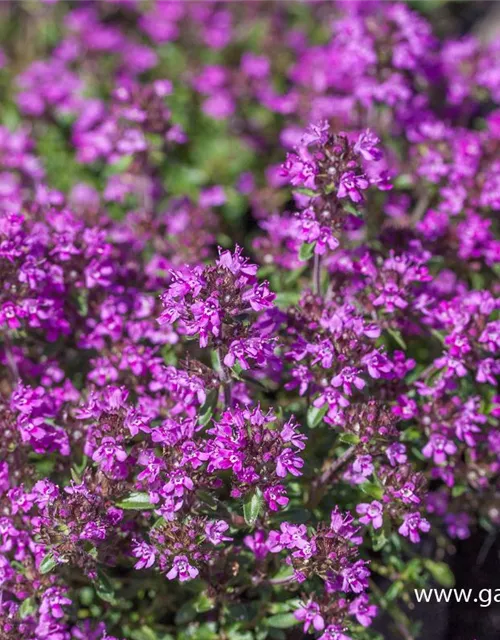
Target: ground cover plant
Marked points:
249	324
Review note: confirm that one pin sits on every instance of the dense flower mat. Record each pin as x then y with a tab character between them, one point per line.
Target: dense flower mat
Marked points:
249	321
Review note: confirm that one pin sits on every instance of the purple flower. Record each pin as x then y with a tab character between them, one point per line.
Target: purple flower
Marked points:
288	462
355	577
407	494
108	453
300	169
396	453
290	536
276	497
146	554
363	465
215	531
366	145
316	134
391	298
334	632
253	66
363	610
310	615
177	484
212	197
438	448
257	544
487	370
412	524
348	377
289	434
376	364
94	531
372	513
351	185
182	569
457	525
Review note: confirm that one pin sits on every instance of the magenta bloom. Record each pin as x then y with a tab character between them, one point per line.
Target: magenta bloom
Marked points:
413	523
215	531
108	453
182	570
146	554
310	615
372	513
276	497
377	364
438	448
355	577
348	378
352	185
366	145
250	419
363	610
288	462
396	453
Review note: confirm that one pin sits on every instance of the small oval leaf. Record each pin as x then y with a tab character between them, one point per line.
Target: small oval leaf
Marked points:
282	621
27	608
315	415
441	572
252	508
306	251
136	500
104	588
48	563
372	489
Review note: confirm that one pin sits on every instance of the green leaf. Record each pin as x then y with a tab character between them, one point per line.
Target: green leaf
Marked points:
86	595
48	563
80	468
185	614
145	633
207	498
418	454
120	166
397	337
104	588
315	415
349	438
136	500
82	298
307	192
458	490
282	621
295	514
411	434
438	335
306	251
294	275
252	507
395	590
441	572
379	538
350	208
27	608
403	181
286	299
412	570
75	477
208	408
284	572
372	489
203	603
